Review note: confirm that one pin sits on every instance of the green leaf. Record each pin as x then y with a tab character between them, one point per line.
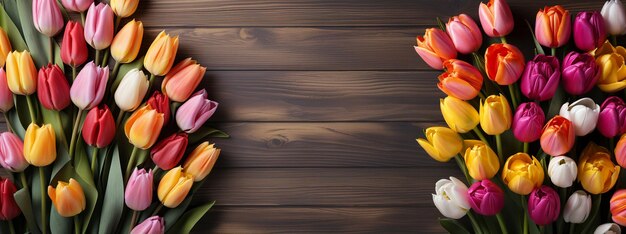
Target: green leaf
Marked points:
556	102
537	45
205	132
15	37
190	218
453	226
38	44
22	197
59	125
21	106
14	120
113	204
83	172
58	223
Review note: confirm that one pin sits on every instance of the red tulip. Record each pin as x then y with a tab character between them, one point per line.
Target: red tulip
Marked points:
8	207
53	90
167	153
99	127
161	103
73	46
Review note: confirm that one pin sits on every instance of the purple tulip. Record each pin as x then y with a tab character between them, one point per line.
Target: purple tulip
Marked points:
580	73
541	77
528	122
11	152
152	225
195	111
544	205
88	89
589	30
612	119
486	198
138	194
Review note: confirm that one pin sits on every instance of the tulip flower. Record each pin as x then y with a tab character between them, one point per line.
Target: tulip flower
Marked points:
143	127
562	171
528	122
127	41
73	47
131	90
47	17
68	198
614	16
21	73
596	171
435	47
486	198
451	198
88	89
159	102
40	145
124	8
161	54
544	205
201	161
618	207
12	152
580	73
522	173
495	115
195	112
482	163
504	63
557	136
541	78
138	193
167	153
458	114
174	187
54	91
441	143
152	225
577	207
460	80
612	117
8	207
76	5
620	151
99	26
608	228
589	30
612	69
99	127
553	26
583	114
182	80
496	18
6	97
5	47
464	33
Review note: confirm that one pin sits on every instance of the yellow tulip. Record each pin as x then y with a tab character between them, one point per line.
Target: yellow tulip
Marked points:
21	73
174	187
596	171
200	162
612	68
482	163
522	173
441	143
5	47
495	115
40	145
127	41
161	54
68	198
143	127
458	114
124	8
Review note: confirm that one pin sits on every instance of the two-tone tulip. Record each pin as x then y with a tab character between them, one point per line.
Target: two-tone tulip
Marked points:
465	34
580	73
435	47
8	206
124	8
589	30
21	73
68	198
195	112
583	114
528	122
612	69
174	187
544	205
53	89
201	160
557	136
152	225
127	42
562	171
620	151
486	198
161	54
496	18
182	80
138	193
577	208
553	26
596	171
458	114
99	26
481	162
12	152
73	47
522	173
5	47
618	207
541	77
166	154
47	17
161	103
40	145
6	96
614	16
612	117
76	5
441	143
88	89
451	198
99	127
504	63
143	127
131	90
495	115
460	79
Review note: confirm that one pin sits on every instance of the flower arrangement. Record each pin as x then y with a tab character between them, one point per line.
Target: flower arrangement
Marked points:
72	165
541	142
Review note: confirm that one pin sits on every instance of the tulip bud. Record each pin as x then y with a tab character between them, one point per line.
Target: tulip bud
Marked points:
40	145
99	127
435	47
182	80
161	54
544	205
143	127
88	89
612	117
451	198
541	78
608	228
68	198
9	208
614	16
464	33
583	114
73	47
458	114
167	153
159	102
195	112
54	91
460	79
132	90
618	207
495	115
482	163
5	47
504	63
201	161
12	152
127	41
47	17
589	30
174	187
496	18
138	193
577	207
152	225
528	122
596	171
580	73
77	5
553	26
99	26
620	151
441	143
6	97
562	171
21	73
124	8
522	173
557	136
612	69
486	198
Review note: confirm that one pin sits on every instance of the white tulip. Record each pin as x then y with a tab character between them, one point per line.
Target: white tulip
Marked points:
131	90
451	198
562	171
608	228
614	17
583	114
577	207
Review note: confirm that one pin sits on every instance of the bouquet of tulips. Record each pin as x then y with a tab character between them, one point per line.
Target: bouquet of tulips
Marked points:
72	166
542	140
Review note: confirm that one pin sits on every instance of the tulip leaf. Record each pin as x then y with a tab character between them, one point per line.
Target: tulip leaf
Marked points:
83	171
205	132
537	45
113	204
13	120
21	107
38	44
14	34
58	223
555	103
54	118
453	226
190	218
23	200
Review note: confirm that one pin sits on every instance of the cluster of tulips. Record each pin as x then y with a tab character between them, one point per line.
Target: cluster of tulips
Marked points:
83	176
546	106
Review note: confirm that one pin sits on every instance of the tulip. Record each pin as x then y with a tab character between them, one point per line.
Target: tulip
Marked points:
143	127
88	89
552	26
608	228
77	5
54	91
73	47
6	97
138	193
486	198
99	26
522	173
201	161
124	8
47	17
562	171
596	171
159	102
618	207
612	69
544	205
496	18
174	187
577	207
458	114
541	78
435	47
167	153
182	80
580	73
495	115
612	117
8	207
460	80
195	111
589	30
131	90
620	151
583	114
614	16
482	163
557	136
451	198
152	225
441	143
5	47
12	152
127	41
40	145
504	63
21	73
99	127
68	198
528	122
464	33
161	54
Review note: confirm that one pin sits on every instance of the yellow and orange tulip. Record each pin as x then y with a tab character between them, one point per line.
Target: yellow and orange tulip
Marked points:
458	114
161	54
522	173
21	73
460	79
596	171
5	47
201	160
143	127
558	136
40	145
612	68
127	41
68	198
441	143
174	187
495	115
182	80
553	26
482	163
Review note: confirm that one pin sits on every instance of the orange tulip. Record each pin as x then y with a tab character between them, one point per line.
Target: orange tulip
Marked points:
504	63
143	127
553	26
558	136
182	80
596	172
460	79
68	198
435	47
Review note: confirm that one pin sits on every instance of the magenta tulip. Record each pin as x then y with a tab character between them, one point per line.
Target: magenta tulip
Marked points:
138	193
195	111
11	152
6	96
77	5
528	122
152	225
589	30
580	73
88	89
99	26
612	119
544	205
53	91
167	153
47	17
486	198
541	77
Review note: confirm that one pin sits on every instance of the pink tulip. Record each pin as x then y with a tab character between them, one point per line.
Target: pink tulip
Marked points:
612	118
88	89
580	73
152	225
541	77
496	18
47	17
528	122
11	152
99	26
138	194
435	47
195	111
589	30
6	96
544	205
77	5
464	33
486	198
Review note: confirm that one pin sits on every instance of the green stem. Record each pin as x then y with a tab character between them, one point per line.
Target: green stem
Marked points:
525	147
499	148
73	73
94	161
44	219
572	227
512	91
133	220
156	211
461	164
105	58
116	69
503	40
97	57
11	227
501	223
75	131
525	214
82	17
553	51
563	199
542	229
77	225
131	164
480	135
614	39
32	109
120	117
6	120
150	84
475	225
594	212
51	49
481	95
24	181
